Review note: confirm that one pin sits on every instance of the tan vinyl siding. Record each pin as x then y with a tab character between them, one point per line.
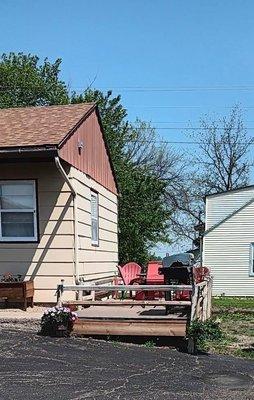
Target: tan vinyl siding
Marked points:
103	269
227	248
57	269
96	261
52	258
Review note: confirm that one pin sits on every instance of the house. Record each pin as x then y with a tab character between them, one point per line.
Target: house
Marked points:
228	241
58	193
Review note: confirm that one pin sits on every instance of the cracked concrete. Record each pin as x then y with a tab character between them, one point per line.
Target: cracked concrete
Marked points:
35	367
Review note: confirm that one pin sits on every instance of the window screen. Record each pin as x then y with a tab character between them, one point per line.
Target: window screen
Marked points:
94	219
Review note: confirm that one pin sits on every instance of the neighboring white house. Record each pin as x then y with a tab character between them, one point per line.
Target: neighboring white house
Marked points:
228	242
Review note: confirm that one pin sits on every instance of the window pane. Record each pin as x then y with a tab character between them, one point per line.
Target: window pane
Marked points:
17	188
94	206
94	218
16	202
16	195
17	224
95	237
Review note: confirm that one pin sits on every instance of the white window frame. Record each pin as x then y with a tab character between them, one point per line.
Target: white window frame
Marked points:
95	195
251	273
33	210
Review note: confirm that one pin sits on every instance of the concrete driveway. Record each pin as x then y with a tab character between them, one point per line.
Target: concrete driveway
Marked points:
34	367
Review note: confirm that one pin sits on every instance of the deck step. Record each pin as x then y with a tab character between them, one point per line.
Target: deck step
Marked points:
130	327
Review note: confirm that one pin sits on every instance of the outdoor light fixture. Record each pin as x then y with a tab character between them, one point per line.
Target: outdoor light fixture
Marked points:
80	146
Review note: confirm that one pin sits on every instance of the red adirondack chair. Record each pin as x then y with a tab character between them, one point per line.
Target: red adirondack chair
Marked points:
130	274
152	278
199	275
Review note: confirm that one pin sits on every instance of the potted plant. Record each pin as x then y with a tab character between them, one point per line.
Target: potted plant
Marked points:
57	321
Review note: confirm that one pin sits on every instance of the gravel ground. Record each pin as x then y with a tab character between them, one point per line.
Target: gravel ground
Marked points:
35	367
34	313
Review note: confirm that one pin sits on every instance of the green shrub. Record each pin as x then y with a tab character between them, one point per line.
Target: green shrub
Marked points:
202	332
149	344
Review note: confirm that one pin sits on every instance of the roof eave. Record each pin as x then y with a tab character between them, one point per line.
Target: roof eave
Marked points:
35	153
228	191
28	149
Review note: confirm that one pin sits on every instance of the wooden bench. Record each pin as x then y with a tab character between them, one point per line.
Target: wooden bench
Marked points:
17	292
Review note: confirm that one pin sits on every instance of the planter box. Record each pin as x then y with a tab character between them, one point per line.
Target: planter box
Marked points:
17	292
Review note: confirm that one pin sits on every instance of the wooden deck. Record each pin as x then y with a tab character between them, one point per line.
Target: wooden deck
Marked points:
136	317
131	320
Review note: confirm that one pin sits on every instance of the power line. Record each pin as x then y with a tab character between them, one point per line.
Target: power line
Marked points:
178	122
184	107
175	142
171	88
189	128
154	88
162	142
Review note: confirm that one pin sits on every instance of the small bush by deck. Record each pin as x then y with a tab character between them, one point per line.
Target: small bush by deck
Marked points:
236	318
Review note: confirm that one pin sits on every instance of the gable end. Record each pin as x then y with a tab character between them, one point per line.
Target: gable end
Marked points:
86	149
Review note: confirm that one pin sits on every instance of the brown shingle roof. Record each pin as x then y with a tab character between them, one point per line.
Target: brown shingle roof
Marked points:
38	126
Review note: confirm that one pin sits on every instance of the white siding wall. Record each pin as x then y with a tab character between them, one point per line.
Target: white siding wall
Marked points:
96	261
220	206
227	248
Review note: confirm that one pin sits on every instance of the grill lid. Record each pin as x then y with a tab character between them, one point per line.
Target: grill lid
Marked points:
178	260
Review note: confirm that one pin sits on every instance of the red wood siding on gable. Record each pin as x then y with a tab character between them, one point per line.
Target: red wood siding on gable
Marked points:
93	158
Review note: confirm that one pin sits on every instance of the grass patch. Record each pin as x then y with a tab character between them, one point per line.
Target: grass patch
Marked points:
245	353
231	303
149	344
237	326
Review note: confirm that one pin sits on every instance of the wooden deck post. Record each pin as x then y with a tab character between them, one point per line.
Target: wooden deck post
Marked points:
209	297
59	293
194	303
93	292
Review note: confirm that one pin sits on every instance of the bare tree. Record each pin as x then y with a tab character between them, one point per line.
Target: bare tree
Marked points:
221	163
145	150
224	147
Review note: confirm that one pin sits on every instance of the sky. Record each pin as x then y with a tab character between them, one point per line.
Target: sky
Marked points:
172	61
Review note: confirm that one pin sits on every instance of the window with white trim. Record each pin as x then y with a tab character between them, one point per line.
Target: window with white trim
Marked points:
18	216
252	259
94	219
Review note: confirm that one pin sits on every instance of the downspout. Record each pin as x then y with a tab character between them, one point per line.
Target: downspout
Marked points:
74	194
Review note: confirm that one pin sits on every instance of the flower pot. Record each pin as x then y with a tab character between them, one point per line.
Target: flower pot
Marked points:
62	331
57	321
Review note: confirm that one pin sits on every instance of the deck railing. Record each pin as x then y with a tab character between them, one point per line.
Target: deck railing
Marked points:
201	300
200	303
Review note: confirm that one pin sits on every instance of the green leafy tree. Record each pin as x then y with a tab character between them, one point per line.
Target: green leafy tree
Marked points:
142	171
143	214
26	82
